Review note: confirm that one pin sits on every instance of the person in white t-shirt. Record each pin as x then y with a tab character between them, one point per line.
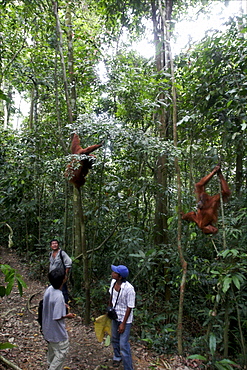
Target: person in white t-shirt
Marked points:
122	299
53	325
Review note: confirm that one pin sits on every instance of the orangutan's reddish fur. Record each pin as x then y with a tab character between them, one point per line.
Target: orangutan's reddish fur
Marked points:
207	212
77	176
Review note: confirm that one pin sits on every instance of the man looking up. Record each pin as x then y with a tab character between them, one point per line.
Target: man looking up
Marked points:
60	259
123	301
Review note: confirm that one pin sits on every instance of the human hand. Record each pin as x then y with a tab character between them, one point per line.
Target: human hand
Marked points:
70	315
121	328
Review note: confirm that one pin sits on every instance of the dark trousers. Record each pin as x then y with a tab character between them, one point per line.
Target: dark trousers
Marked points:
65	293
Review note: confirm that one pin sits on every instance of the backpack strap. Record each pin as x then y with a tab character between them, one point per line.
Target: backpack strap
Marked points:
61	257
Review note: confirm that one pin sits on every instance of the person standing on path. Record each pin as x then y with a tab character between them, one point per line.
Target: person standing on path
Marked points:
53	325
60	259
122	299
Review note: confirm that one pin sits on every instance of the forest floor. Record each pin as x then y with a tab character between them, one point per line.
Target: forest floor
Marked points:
19	326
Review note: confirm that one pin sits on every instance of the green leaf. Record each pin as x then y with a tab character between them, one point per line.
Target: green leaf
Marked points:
6	345
21	281
226	284
220	367
9	286
4	97
2	291
217	298
20	288
9	275
197	357
5	268
214	272
243	126
236	281
107	341
212	344
227	362
230	252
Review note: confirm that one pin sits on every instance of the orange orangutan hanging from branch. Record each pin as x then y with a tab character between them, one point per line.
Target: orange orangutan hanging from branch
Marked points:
207	212
78	168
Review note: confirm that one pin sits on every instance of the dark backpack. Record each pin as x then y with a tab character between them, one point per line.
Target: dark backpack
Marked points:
40	311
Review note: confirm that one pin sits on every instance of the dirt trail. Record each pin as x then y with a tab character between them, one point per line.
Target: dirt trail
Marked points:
18	325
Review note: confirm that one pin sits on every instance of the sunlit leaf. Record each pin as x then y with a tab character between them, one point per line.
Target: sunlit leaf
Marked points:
226	284
212	343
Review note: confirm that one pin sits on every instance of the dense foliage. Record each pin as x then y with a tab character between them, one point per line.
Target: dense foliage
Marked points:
122	109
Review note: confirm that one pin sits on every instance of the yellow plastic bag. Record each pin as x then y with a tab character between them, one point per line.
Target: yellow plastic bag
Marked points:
102	325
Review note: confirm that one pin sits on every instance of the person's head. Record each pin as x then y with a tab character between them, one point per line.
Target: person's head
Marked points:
54	244
56	278
120	270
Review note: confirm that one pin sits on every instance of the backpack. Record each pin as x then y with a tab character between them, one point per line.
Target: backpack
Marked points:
61	257
40	311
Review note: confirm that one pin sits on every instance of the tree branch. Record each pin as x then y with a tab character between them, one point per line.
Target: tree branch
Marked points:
101	244
8	363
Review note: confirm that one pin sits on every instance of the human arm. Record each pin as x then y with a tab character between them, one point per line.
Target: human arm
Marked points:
121	327
129	299
69	315
61	310
66	274
110	302
67	263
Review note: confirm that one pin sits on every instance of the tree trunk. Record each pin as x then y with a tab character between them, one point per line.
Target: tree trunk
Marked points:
72	81
162	41
183	262
161	168
161	30
70	94
226	328
78	221
239	167
66	215
81	249
181	300
60	48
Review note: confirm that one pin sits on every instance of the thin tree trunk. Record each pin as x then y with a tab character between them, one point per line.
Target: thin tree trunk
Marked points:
242	338
79	222
161	20
60	48
161	165
183	262
223	217
80	241
239	167
226	328
66	215
66	238
72	81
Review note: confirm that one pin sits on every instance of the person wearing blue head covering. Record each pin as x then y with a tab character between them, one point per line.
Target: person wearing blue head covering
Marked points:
122	299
